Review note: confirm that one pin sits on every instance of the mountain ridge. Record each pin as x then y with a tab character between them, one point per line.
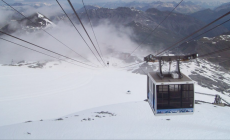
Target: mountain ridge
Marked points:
24	25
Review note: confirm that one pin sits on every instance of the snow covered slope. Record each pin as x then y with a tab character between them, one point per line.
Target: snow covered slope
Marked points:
35	103
59	89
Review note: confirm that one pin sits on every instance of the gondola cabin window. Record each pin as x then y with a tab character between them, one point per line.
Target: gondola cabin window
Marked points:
170	96
162	97
187	96
175	96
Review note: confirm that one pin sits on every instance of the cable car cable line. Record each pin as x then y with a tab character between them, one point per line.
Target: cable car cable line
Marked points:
77	30
46	49
92	28
211	29
85	31
207	31
156	27
193	34
42	53
45	31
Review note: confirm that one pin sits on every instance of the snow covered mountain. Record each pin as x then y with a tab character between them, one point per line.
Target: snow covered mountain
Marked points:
39	22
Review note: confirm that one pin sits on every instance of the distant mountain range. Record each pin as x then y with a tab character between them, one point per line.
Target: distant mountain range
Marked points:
185	7
179	24
142	23
208	4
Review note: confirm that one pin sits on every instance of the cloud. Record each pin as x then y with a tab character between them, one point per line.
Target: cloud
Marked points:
111	39
4	17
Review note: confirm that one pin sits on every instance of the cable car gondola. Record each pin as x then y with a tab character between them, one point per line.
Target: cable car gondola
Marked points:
170	93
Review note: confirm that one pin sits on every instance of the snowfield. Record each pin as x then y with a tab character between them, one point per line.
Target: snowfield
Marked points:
63	101
34	94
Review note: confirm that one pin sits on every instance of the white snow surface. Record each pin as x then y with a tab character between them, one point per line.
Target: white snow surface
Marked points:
44	95
33	94
133	120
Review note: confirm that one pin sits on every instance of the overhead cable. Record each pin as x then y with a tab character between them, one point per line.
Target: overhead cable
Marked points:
85	31
77	30
156	27
46	49
193	33
42	53
92	27
210	29
206	31
46	31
